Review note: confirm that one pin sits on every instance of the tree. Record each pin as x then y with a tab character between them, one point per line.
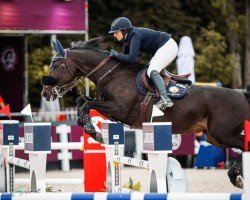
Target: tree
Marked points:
212	62
39	61
228	11
247	46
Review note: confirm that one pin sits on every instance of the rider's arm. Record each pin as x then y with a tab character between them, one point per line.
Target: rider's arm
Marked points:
133	50
125	49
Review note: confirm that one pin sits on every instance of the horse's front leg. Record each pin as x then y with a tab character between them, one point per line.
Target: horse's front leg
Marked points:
83	117
80	101
104	107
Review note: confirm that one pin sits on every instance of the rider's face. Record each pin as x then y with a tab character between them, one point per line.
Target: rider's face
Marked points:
118	35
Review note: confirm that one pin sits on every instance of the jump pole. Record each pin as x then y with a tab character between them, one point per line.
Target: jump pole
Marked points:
118	196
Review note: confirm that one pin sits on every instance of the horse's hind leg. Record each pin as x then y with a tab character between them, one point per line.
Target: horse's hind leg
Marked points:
229	136
235	173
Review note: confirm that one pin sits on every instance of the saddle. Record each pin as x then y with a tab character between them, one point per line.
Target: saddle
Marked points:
167	78
175	87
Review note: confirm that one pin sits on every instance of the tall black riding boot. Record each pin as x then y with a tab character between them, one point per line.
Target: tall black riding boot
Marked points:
159	84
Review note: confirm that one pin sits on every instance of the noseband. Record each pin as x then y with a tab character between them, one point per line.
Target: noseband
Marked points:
61	90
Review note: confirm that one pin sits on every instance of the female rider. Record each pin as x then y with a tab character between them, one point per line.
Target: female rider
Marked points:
159	44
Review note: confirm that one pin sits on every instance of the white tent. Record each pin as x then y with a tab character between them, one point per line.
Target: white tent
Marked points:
185	61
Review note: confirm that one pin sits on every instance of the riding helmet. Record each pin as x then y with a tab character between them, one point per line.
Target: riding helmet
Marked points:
119	24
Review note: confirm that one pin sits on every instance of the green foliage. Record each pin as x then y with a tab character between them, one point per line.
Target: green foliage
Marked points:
130	185
212	62
39	61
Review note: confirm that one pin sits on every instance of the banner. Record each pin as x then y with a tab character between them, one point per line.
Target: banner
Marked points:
12	71
43	15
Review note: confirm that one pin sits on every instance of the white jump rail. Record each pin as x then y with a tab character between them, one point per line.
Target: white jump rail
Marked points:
164	174
58	146
131	161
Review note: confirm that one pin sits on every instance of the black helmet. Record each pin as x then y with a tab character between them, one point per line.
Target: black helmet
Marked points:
119	24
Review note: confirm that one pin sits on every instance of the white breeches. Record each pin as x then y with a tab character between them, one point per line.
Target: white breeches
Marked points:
163	56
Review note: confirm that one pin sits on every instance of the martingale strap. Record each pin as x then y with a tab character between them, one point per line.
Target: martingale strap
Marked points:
97	67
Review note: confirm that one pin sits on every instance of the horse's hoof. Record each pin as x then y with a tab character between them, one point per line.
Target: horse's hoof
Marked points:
239	182
99	138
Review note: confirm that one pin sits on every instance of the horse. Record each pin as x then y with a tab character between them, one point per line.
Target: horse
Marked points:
218	112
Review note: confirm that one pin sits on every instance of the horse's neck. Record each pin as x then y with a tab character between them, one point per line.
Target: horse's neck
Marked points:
95	58
98	65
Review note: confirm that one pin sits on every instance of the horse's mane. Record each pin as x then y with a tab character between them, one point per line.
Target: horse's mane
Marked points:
95	43
99	45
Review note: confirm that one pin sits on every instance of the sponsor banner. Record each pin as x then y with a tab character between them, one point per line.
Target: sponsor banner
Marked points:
43	15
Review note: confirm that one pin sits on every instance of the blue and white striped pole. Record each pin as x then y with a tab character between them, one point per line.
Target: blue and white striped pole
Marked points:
110	196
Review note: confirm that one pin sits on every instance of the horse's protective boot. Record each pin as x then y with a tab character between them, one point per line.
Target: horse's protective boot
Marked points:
90	129
159	84
88	125
235	173
99	138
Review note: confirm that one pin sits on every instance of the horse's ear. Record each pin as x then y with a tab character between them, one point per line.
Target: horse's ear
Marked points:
54	45
60	49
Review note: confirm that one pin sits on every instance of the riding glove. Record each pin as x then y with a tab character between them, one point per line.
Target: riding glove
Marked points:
113	54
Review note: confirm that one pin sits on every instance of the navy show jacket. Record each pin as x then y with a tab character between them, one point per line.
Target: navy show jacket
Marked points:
141	40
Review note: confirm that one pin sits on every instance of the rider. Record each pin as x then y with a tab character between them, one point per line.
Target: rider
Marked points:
159	44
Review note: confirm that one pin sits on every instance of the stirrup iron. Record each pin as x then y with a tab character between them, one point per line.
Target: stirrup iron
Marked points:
164	103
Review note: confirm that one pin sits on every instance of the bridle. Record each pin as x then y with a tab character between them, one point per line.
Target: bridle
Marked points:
61	90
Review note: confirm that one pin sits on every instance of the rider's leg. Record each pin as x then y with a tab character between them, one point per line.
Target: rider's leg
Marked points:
162	58
159	84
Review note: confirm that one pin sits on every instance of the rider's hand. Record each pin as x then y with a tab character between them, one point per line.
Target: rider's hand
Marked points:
113	54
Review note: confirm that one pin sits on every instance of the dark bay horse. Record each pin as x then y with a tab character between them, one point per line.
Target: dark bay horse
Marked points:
218	112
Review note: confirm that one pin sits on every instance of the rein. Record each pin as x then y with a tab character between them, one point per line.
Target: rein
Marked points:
61	90
104	75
